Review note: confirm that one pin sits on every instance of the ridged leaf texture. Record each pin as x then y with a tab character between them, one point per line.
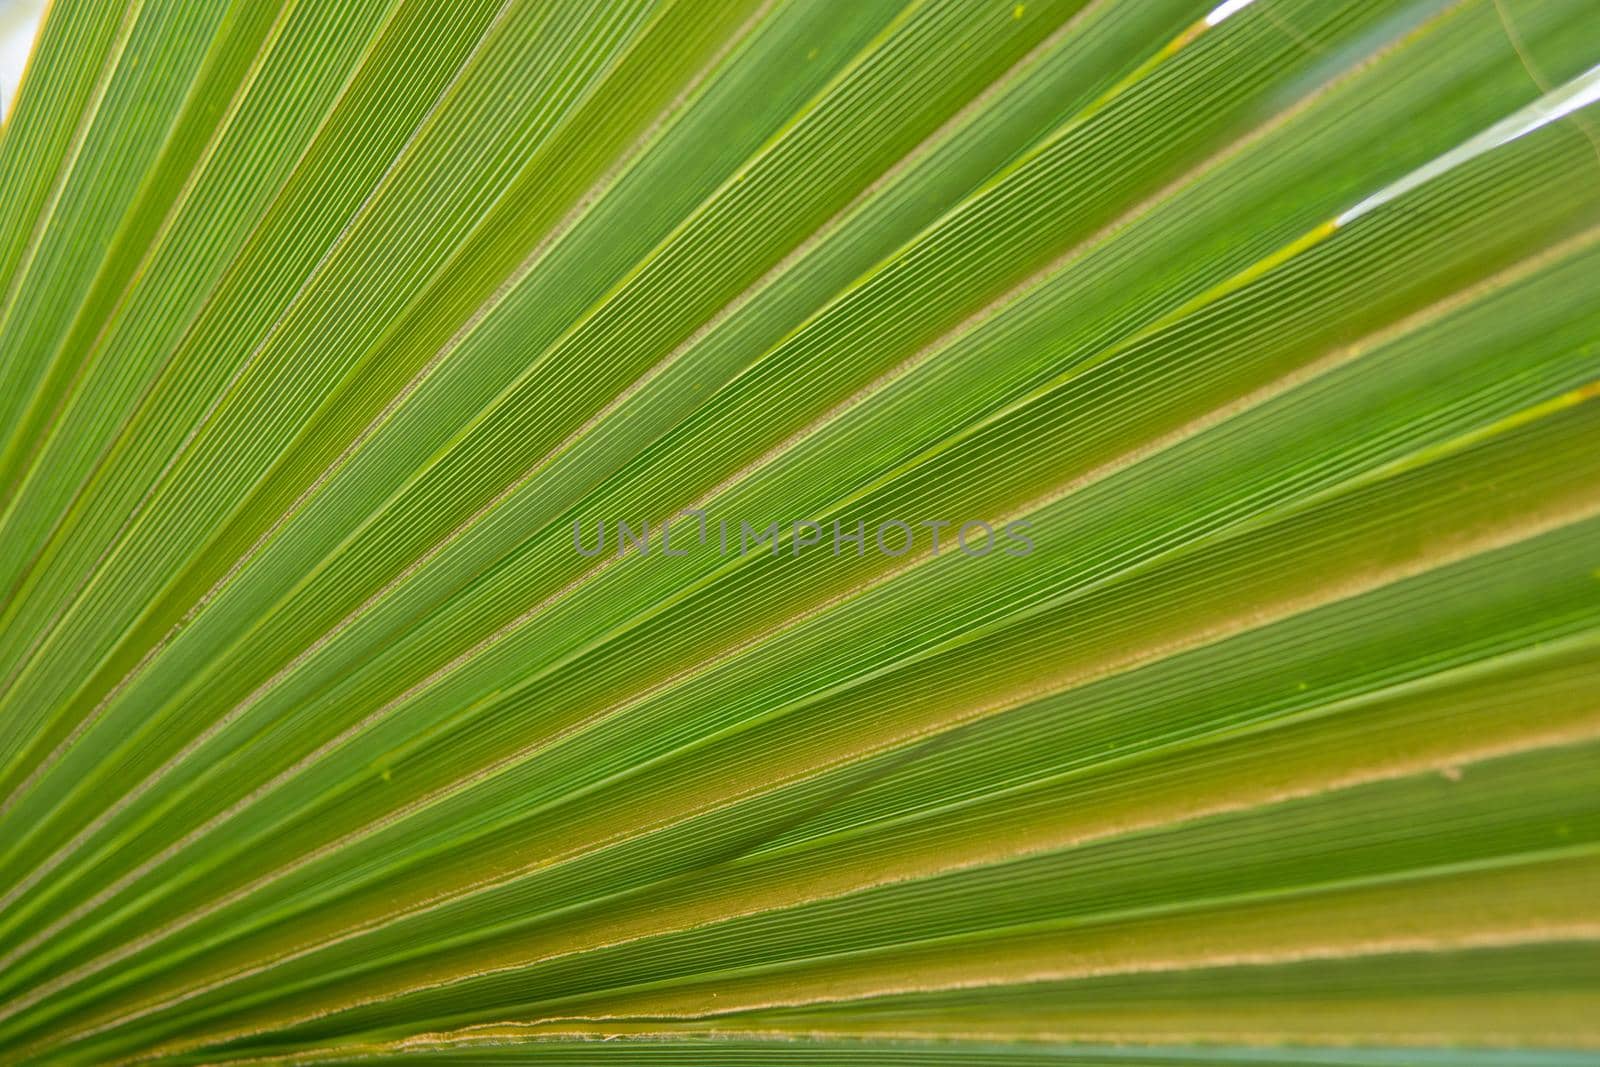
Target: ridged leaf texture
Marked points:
1272	328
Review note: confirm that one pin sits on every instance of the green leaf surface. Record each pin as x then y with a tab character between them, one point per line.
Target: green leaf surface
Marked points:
1264	340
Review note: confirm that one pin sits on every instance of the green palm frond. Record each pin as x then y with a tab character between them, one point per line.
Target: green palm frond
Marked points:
1177	634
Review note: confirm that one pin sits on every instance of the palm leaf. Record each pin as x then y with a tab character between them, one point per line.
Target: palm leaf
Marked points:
1261	728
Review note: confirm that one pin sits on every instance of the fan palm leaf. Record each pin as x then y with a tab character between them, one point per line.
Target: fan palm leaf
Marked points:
728	531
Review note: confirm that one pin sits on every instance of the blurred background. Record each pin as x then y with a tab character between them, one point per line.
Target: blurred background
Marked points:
18	21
